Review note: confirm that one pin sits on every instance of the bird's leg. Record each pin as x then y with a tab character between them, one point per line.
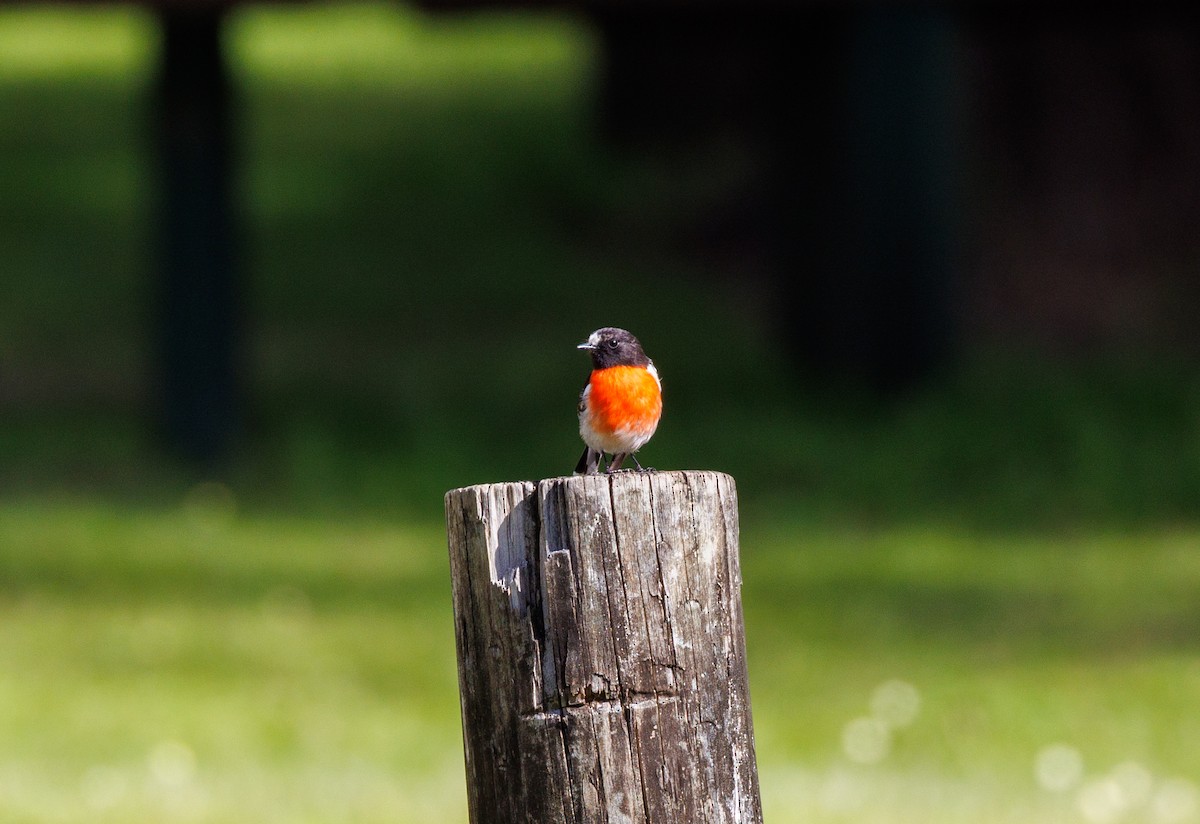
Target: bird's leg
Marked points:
618	458
638	464
589	462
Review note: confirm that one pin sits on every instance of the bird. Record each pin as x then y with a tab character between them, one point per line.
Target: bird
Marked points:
621	404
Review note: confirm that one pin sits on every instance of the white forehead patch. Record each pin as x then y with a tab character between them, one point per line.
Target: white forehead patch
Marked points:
594	338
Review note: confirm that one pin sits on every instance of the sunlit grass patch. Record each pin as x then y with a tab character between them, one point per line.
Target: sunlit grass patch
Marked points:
40	41
379	45
197	662
1002	645
193	664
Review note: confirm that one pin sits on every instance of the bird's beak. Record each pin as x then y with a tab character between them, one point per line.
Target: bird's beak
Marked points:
586	345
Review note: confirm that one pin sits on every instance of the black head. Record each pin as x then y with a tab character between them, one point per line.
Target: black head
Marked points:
614	347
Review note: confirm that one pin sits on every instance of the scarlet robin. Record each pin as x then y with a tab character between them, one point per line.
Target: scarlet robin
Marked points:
622	402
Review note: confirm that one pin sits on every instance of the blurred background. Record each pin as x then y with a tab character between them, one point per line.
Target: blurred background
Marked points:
275	277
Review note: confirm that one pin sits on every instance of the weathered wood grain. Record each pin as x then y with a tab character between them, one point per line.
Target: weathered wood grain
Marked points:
601	650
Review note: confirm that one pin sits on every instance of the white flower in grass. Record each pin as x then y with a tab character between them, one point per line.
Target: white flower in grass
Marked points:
896	703
1174	801
1058	767
866	740
1101	801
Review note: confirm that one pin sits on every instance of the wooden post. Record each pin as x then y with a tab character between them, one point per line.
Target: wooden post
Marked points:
601	654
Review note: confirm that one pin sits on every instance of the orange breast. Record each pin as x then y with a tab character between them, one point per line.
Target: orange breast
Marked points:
624	398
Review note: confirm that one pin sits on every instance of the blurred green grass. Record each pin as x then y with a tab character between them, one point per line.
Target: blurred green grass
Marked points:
194	663
430	230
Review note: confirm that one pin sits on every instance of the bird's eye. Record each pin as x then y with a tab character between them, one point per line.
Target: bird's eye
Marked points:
611	344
